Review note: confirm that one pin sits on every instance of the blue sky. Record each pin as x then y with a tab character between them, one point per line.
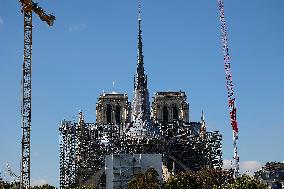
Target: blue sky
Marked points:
94	43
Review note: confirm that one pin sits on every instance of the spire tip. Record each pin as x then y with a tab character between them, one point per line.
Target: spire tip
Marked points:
139	10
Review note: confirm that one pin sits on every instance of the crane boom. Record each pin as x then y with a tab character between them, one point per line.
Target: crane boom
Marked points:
29	5
230	87
27	8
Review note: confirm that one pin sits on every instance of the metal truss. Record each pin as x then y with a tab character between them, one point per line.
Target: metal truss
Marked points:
83	147
26	99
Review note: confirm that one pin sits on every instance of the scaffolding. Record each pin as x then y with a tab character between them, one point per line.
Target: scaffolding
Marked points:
83	147
79	157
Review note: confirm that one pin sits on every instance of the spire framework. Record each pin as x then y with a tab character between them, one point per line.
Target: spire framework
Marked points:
140	105
141	78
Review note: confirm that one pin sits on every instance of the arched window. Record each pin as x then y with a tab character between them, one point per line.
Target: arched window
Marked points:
117	115
108	113
165	114
175	113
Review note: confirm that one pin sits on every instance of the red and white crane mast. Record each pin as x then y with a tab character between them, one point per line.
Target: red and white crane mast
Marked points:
230	88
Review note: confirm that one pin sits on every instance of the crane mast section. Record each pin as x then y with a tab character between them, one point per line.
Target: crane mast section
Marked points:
230	89
230	86
28	6
26	98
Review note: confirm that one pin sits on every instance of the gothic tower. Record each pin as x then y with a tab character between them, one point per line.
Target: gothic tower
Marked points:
140	104
170	106
112	108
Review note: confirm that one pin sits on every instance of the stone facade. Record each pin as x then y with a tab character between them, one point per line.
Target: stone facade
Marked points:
167	107
112	108
170	106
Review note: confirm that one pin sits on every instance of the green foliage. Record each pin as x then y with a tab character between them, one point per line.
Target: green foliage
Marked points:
148	180
244	182
45	186
6	185
186	180
204	179
91	186
212	178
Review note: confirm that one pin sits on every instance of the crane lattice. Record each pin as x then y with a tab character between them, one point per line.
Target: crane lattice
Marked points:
27	8
230	88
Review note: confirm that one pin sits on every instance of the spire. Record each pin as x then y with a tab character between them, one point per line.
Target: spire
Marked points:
202	116
81	117
203	126
141	104
140	77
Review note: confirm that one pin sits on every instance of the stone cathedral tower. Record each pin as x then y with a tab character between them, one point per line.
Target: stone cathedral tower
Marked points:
168	107
112	108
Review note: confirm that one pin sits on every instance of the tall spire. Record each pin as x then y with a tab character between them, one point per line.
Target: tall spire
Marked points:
140	105
141	78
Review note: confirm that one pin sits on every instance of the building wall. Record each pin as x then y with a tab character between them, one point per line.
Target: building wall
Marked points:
170	106
121	168
112	108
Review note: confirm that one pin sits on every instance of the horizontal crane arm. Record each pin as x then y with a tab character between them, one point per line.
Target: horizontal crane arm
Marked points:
48	18
29	5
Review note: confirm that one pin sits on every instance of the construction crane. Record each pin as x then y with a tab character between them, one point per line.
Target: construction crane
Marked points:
28	6
230	88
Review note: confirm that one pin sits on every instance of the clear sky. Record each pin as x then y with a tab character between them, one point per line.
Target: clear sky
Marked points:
94	43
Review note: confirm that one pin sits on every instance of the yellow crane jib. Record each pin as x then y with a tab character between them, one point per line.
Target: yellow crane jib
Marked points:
29	5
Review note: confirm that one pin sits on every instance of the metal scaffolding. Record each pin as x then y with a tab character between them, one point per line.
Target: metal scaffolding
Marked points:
83	147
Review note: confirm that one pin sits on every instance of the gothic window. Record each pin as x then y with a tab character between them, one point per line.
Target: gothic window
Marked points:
117	115
175	113
108	113
165	114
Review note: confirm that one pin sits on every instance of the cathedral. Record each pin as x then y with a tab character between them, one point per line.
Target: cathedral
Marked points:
129	137
138	117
